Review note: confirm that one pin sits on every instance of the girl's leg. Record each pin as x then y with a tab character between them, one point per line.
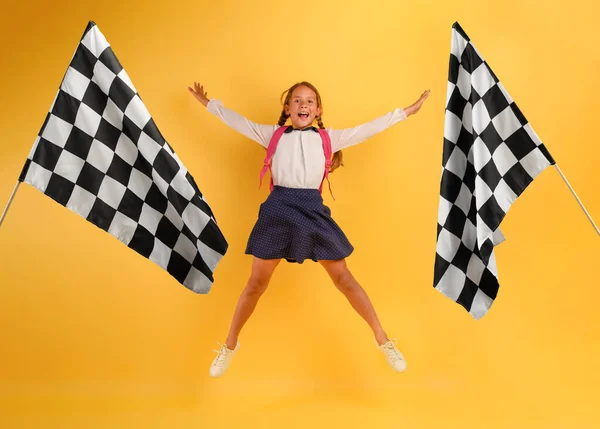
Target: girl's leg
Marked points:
262	270
356	295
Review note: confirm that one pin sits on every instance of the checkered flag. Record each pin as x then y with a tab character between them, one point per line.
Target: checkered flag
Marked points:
491	154
100	154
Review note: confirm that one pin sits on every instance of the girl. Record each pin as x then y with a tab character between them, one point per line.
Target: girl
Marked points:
293	223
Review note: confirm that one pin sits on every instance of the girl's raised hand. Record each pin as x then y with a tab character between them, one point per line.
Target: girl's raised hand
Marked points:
198	92
414	108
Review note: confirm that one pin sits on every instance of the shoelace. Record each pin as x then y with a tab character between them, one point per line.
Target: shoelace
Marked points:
222	354
391	351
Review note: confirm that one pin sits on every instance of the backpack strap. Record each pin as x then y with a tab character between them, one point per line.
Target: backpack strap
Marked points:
270	152
273	146
328	153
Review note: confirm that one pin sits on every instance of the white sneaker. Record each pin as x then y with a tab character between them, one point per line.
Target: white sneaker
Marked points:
394	358
221	362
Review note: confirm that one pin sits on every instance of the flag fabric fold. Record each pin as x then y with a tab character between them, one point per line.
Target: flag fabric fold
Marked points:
100	154
490	155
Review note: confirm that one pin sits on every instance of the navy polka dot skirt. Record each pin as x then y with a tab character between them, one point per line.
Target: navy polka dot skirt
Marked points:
295	225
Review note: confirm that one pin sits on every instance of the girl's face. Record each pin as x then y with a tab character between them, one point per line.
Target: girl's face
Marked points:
302	107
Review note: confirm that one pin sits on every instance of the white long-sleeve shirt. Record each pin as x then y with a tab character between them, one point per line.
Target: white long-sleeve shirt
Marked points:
299	161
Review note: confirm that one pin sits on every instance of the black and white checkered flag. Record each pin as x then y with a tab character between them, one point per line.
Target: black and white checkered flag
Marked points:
100	154
491	154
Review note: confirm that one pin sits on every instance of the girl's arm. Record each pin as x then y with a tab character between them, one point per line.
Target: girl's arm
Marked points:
259	133
341	139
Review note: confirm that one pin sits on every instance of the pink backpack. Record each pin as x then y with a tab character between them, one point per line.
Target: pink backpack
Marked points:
273	146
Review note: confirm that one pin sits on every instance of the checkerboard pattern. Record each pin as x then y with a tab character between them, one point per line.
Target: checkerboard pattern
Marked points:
100	154
491	154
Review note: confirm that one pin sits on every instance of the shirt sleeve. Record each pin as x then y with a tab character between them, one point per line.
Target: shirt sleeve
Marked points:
341	139
259	133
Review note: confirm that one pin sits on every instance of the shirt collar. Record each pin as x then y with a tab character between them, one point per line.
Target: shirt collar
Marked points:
290	129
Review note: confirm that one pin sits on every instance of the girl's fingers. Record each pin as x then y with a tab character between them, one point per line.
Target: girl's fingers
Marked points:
198	90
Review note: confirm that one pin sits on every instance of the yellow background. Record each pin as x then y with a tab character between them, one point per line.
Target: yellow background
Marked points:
94	335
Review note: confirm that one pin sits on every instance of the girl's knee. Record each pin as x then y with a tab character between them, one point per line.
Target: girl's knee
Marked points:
345	281
256	285
262	270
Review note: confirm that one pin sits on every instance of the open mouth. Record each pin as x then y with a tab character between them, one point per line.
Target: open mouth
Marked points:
303	115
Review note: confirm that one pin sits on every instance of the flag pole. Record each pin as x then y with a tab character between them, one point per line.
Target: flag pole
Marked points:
9	202
577	198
